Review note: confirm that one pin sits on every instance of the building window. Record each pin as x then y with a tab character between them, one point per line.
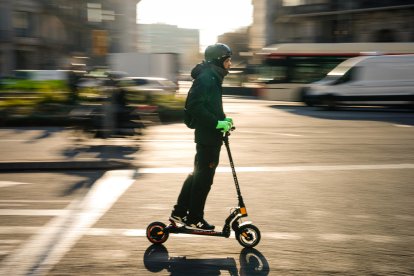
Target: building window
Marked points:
21	23
94	12
385	35
292	2
304	2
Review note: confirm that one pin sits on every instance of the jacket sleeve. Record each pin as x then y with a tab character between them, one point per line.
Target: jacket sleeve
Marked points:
197	104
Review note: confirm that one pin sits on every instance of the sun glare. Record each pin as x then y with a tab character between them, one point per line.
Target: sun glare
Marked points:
211	17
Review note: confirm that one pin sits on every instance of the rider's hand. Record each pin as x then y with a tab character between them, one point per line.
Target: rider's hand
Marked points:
224	126
230	120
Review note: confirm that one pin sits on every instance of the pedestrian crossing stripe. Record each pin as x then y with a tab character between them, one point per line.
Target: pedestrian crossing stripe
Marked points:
4	184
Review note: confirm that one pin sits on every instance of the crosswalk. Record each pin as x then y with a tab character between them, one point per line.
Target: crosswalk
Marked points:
48	243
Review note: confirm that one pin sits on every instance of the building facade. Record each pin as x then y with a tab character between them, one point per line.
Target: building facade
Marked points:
48	34
290	21
163	38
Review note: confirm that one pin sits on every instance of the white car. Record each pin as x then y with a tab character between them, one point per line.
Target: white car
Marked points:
148	84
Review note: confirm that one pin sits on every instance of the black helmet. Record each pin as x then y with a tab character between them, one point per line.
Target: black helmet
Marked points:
217	52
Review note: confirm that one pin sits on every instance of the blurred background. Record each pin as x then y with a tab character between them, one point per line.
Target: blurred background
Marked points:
57	54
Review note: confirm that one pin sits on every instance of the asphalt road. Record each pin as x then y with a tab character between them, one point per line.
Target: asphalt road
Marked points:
331	192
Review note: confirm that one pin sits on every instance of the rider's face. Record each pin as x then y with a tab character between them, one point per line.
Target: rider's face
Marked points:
227	63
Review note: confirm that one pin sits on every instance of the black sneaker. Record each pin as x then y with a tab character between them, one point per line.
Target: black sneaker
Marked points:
177	218
200	225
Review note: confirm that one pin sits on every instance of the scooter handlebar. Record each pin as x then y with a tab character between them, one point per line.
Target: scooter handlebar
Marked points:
227	133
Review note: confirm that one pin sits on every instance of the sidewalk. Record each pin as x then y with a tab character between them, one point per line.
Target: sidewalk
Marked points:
55	148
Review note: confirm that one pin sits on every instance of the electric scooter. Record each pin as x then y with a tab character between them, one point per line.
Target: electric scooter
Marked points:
247	234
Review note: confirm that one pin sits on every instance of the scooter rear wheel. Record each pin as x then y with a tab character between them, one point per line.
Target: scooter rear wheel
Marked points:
156	232
248	235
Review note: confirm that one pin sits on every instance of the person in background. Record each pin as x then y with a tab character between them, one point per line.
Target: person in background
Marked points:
205	107
73	78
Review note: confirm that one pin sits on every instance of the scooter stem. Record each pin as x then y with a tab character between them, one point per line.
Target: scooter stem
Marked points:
236	182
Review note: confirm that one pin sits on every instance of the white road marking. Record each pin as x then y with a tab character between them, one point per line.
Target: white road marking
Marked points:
282	236
272	133
124	232
5	230
363	237
53	240
183	170
13	140
32	201
397	125
167	141
8	242
12	204
4	184
336	237
33	212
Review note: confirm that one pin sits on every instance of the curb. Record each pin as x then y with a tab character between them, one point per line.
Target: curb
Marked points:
64	165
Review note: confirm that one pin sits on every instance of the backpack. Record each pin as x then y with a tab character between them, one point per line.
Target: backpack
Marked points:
189	120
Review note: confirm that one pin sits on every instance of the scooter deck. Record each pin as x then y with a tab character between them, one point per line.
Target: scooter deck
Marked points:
181	229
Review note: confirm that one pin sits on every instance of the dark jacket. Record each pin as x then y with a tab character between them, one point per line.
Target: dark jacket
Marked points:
204	103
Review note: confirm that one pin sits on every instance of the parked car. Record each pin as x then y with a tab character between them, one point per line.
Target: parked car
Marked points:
367	80
148	84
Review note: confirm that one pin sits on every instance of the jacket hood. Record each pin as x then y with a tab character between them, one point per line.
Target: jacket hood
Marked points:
199	68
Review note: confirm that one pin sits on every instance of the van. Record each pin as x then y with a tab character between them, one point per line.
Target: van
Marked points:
366	80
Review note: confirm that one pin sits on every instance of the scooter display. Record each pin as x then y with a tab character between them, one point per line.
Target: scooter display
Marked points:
247	234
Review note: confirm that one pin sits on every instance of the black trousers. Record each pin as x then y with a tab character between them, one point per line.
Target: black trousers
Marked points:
197	185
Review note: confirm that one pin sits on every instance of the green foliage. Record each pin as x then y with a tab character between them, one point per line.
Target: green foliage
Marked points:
170	101
32	93
32	85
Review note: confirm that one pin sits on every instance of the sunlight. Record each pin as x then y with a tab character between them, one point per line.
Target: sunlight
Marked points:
212	18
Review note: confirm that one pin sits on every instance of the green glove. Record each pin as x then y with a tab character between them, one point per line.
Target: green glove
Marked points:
230	120
224	126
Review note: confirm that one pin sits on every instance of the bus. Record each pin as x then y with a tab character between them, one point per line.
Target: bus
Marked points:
286	69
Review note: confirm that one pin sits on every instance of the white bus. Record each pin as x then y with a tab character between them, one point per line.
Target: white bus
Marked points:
287	68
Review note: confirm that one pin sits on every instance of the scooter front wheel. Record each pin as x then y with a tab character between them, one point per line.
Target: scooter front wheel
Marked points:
156	232
248	235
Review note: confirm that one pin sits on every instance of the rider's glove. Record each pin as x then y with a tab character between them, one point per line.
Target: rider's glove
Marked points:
230	120
224	126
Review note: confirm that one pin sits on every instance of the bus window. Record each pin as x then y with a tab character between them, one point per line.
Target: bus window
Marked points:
311	69
273	72
304	70
297	69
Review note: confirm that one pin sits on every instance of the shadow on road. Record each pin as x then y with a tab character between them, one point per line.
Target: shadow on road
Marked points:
381	114
102	151
252	262
87	183
44	132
